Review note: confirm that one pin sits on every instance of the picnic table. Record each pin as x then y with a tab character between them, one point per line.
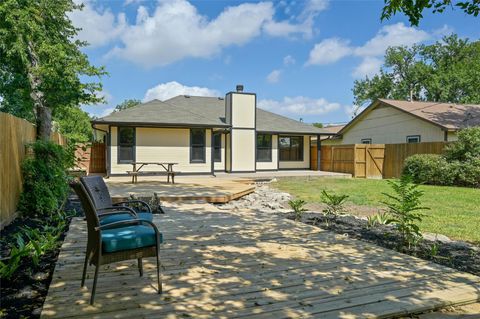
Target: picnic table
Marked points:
167	170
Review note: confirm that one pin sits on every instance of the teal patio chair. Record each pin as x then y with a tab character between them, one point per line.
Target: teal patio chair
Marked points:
117	241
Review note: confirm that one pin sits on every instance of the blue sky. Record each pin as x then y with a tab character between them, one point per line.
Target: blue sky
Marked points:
300	57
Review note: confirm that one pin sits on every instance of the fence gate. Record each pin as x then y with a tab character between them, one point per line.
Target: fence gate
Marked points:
98	158
369	160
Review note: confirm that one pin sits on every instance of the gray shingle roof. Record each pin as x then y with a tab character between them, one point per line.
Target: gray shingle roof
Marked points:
187	110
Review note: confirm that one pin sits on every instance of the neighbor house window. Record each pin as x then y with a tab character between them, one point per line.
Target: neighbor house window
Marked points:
126	145
217	147
197	146
413	139
366	141
264	148
291	148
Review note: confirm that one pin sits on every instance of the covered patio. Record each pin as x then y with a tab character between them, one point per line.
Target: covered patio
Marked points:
219	264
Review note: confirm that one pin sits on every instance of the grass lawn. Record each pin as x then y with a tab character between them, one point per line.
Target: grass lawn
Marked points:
454	211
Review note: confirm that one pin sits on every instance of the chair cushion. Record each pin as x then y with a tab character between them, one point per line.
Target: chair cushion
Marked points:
119	217
130	237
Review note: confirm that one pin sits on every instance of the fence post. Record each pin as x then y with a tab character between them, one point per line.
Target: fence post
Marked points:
319	152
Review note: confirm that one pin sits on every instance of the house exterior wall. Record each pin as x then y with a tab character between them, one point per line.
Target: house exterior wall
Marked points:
273	165
243	152
305	164
161	145
451	136
388	125
220	166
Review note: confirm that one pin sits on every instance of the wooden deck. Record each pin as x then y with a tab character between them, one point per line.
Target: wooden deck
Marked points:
207	189
242	264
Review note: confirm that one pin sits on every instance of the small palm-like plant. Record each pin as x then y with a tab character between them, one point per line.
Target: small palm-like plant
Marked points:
298	207
379	219
404	207
335	203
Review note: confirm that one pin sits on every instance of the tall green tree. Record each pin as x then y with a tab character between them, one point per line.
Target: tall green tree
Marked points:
128	103
41	65
413	9
75	125
446	71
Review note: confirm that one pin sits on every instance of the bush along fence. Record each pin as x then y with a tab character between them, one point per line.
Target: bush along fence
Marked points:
15	135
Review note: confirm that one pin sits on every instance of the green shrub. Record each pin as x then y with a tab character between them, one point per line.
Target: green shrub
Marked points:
466	148
335	203
467	173
404	206
298	207
44	179
33	243
429	169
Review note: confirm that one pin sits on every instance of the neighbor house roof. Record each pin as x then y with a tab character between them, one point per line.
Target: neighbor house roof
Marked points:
185	110
448	116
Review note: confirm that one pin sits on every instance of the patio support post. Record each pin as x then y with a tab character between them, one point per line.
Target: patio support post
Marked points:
319	152
212	151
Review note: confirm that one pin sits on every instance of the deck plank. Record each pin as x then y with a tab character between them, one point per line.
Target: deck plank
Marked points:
219	264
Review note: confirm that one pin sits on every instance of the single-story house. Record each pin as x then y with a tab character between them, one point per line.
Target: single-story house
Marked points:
391	121
206	134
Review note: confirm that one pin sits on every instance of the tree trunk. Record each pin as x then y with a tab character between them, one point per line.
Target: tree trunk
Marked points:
43	114
44	123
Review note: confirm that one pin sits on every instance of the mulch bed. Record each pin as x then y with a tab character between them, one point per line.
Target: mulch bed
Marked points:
458	255
24	293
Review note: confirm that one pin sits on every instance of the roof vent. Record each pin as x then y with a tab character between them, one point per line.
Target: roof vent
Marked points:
187	96
239	87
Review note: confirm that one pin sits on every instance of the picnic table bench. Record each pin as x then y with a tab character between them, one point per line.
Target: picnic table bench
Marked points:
167	170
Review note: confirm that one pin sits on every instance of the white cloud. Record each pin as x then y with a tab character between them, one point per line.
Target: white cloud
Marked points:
443	31
107	111
302	24
329	51
274	76
333	49
165	91
176	30
353	110
99	27
299	106
368	67
289	60
391	35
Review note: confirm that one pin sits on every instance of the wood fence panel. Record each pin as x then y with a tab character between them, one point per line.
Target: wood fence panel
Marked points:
98	158
15	135
395	155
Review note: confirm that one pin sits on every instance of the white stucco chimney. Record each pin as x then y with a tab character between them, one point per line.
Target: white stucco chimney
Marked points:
240	113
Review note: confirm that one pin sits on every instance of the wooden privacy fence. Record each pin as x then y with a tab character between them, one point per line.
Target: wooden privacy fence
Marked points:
370	160
15	134
395	155
92	157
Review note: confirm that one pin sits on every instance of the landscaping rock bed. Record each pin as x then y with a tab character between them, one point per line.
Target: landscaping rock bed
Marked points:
434	247
24	293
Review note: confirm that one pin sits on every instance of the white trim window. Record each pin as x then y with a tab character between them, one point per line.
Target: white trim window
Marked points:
366	141
413	139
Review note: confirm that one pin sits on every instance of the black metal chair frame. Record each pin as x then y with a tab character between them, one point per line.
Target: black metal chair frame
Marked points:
94	254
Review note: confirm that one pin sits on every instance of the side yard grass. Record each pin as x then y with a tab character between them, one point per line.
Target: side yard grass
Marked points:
454	211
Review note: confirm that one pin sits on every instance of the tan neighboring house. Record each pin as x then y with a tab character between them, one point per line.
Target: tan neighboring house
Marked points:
206	134
391	121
